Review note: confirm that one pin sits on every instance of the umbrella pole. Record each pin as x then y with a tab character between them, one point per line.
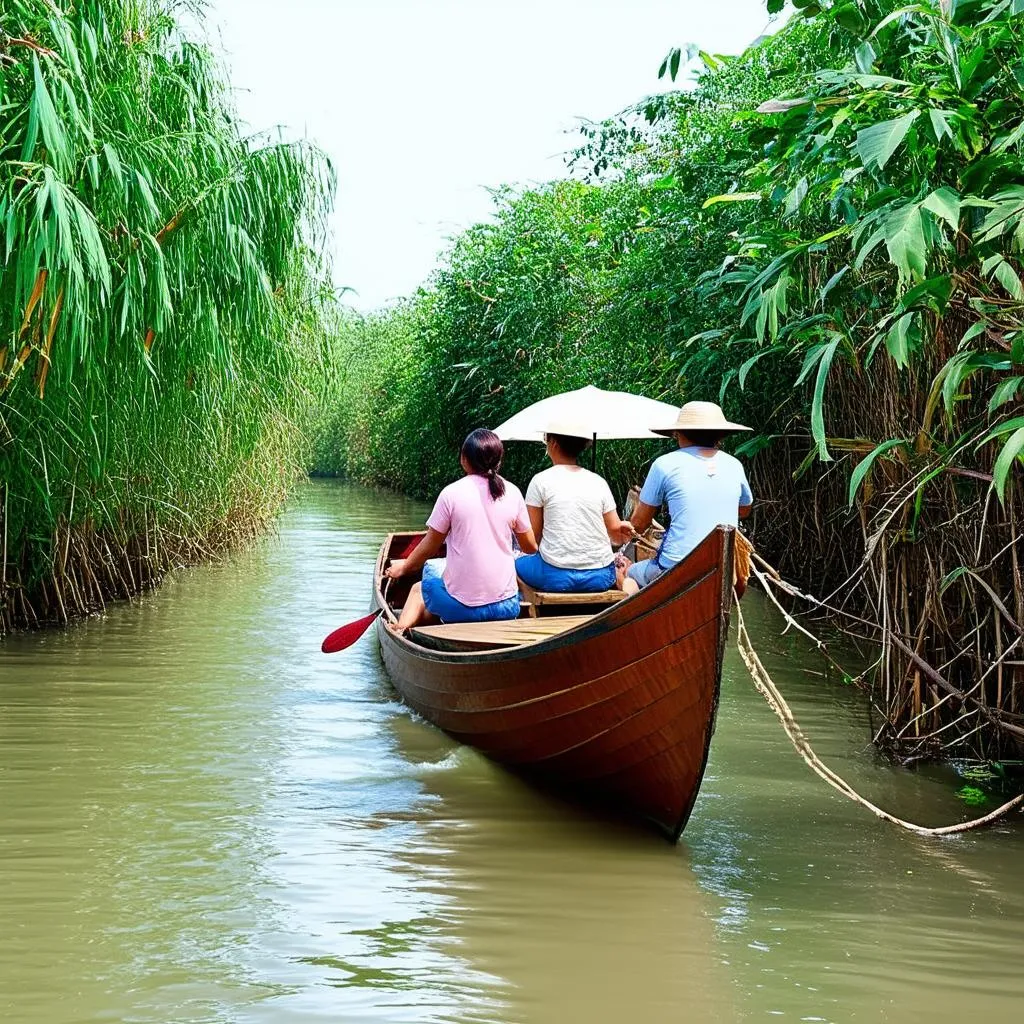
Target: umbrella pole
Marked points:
593	455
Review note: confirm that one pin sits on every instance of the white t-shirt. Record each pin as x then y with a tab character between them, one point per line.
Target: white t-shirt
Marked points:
574	501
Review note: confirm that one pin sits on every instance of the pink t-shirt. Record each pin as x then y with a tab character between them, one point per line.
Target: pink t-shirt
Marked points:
480	568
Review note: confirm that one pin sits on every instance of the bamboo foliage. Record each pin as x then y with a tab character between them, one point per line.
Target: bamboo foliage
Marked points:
883	247
161	294
824	234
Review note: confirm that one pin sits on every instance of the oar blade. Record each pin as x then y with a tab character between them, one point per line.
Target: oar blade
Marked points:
346	636
411	547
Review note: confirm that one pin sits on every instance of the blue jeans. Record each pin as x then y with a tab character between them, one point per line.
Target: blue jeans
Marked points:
541	575
645	572
441	604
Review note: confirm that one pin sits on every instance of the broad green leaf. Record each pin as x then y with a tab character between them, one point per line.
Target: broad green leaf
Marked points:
945	204
961	366
879	82
904	238
899	13
727	379
971	333
937	289
863	467
865	57
1007	277
821	355
1011	451
849	16
940	123
1017	347
748	365
818	401
731	197
781	106
831	283
796	197
1008	141
902	339
1004	428
876	144
1006	391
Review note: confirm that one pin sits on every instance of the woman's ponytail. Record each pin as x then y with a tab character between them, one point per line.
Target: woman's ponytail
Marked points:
495	484
483	451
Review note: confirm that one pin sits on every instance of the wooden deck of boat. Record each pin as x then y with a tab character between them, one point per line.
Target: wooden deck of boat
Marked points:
508	633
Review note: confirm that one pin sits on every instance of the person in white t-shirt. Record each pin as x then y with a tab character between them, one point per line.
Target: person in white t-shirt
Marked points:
574	519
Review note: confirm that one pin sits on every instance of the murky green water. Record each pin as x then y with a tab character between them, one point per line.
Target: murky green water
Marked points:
204	819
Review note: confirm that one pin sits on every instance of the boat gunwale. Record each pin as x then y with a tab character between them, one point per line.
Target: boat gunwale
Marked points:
595	626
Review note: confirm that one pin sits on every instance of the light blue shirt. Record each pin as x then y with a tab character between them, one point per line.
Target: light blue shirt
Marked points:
701	493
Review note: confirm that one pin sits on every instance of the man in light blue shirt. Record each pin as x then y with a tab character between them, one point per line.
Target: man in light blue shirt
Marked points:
702	486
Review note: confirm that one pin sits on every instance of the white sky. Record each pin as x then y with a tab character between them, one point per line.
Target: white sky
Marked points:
422	104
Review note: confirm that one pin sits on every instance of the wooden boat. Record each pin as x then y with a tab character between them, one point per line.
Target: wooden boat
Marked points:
610	700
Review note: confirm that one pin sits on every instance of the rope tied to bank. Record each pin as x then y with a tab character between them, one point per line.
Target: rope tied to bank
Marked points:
765	685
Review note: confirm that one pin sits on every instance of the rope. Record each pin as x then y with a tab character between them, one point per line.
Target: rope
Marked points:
767	688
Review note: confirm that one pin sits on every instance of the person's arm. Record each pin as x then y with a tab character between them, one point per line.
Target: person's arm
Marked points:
522	528
642	516
426	549
746	498
652	494
536	523
620	531
527	541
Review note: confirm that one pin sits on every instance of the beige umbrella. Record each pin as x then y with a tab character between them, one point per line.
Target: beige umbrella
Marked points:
606	415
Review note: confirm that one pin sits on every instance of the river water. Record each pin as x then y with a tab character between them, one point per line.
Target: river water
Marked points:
202	818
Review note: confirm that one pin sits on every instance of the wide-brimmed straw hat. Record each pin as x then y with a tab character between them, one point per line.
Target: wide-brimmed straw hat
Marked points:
569	428
700	416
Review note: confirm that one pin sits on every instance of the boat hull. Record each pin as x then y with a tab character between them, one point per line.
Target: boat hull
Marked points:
619	710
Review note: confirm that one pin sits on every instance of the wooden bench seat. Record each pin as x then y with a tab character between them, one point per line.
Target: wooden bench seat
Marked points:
534	599
507	633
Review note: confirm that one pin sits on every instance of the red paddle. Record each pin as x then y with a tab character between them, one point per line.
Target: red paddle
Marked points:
346	636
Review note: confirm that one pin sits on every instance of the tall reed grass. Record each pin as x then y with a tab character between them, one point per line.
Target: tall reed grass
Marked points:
164	305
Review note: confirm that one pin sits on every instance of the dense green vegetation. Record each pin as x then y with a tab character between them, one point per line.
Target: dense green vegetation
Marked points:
162	300
826	233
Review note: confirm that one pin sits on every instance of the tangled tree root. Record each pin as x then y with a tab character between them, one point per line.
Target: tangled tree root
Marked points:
767	688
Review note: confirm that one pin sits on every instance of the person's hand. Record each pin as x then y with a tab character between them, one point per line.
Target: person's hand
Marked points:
625	532
396	570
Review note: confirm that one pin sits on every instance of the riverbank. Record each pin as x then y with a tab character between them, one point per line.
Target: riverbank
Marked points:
806	237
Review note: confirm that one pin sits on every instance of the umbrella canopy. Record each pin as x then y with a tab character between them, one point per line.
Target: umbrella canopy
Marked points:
607	414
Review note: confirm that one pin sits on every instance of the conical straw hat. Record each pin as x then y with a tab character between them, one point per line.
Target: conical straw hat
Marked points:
700	416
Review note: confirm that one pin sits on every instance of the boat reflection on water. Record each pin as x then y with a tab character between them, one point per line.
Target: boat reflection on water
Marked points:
557	914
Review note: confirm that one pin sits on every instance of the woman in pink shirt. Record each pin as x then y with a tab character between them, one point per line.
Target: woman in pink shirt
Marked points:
476	516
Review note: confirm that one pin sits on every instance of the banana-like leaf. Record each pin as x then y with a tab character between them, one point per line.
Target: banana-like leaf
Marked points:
1009	455
863	467
877	144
